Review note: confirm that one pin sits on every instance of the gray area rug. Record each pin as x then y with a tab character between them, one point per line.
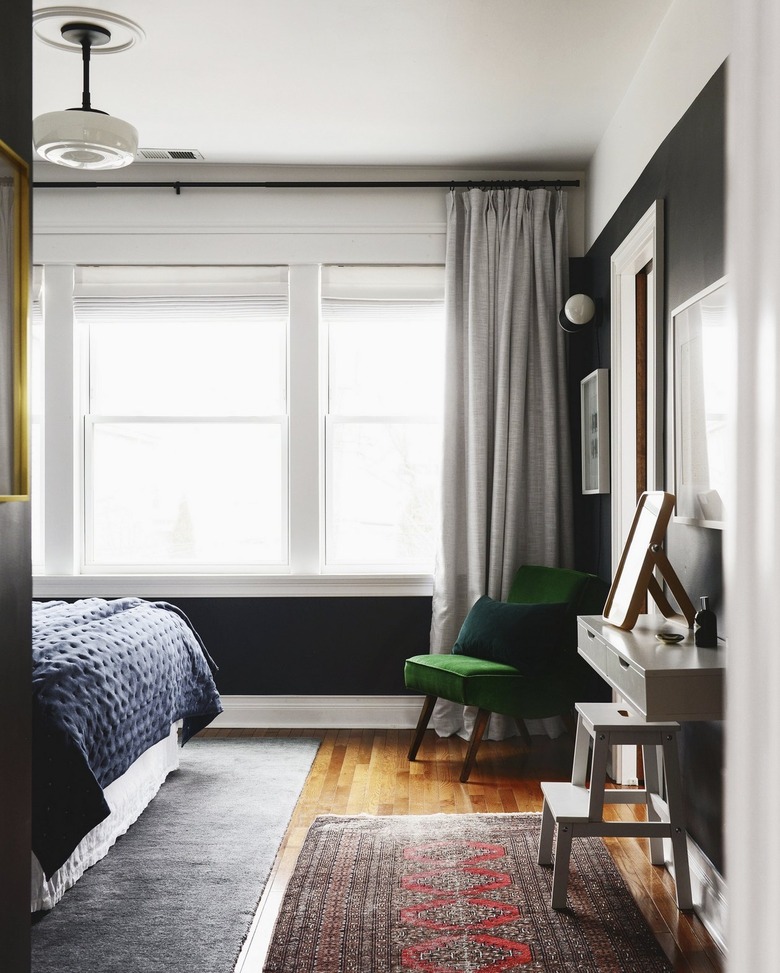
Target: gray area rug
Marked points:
177	893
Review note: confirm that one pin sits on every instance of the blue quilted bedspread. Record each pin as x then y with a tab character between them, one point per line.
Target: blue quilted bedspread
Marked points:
109	679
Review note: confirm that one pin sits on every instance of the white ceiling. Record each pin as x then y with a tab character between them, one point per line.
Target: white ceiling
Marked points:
518	84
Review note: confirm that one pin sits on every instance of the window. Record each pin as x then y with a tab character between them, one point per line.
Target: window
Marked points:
254	421
185	429
384	348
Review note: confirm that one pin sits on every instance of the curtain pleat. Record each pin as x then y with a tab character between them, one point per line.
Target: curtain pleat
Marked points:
506	475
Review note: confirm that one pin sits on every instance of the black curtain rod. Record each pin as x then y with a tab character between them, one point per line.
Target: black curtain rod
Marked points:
448	184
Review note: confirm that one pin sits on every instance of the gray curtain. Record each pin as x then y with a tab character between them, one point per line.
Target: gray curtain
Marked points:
506	472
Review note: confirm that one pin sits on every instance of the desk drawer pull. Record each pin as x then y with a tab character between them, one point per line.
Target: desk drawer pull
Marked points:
624	664
591	635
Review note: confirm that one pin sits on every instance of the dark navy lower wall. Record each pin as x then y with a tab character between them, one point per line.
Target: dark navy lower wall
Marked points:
311	646
688	174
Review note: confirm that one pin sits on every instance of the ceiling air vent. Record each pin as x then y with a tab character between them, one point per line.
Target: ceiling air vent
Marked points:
168	155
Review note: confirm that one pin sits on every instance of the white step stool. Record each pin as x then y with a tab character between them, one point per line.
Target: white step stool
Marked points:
579	810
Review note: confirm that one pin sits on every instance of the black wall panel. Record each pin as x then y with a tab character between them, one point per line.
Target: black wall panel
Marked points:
310	646
688	173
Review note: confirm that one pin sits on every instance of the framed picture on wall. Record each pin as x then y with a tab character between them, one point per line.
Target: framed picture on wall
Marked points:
14	287
594	431
701	376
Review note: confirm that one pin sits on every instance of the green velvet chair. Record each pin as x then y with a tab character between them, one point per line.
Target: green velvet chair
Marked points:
496	687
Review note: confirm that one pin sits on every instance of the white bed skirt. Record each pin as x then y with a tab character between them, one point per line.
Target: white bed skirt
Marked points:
127	796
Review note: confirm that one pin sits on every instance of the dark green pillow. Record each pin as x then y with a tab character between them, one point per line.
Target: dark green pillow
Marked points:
528	637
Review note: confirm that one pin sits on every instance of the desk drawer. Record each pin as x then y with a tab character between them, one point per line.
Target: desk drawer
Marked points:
627	680
592	648
661	682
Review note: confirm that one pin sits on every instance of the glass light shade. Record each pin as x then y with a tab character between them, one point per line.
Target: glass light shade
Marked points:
84	139
579	309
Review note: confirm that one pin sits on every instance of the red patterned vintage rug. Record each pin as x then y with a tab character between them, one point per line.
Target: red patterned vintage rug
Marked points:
453	893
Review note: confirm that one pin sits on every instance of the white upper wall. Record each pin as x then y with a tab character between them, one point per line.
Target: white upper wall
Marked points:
74	227
250	226
690	45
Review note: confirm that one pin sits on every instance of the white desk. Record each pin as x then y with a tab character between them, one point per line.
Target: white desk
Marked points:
661	682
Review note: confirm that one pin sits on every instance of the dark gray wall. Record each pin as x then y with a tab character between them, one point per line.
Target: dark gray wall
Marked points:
688	174
15	585
311	646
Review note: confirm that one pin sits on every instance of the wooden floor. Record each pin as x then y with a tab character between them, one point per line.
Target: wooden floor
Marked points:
366	772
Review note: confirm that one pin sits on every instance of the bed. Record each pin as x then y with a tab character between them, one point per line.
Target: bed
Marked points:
116	685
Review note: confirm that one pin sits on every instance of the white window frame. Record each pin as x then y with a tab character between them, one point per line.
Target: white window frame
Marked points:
64	574
410	282
120	282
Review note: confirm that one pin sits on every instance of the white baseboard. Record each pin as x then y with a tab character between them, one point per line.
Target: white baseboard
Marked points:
315	712
708	888
709	894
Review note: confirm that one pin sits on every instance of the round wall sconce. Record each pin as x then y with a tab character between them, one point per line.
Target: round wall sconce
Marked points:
578	311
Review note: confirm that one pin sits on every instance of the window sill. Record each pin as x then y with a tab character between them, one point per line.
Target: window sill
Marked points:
231	586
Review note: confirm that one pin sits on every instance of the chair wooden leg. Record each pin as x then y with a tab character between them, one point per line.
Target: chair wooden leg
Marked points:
422	725
522	729
480	723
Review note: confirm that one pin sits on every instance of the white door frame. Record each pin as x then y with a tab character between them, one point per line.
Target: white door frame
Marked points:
642	248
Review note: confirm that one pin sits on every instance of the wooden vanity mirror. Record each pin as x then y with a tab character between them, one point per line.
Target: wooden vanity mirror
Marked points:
642	555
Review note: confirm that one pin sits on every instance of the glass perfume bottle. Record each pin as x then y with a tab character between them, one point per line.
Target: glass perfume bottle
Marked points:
705	626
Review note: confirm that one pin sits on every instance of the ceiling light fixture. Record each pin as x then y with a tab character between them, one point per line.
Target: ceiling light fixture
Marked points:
85	137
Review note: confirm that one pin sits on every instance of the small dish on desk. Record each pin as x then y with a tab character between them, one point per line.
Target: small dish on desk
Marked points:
669	638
